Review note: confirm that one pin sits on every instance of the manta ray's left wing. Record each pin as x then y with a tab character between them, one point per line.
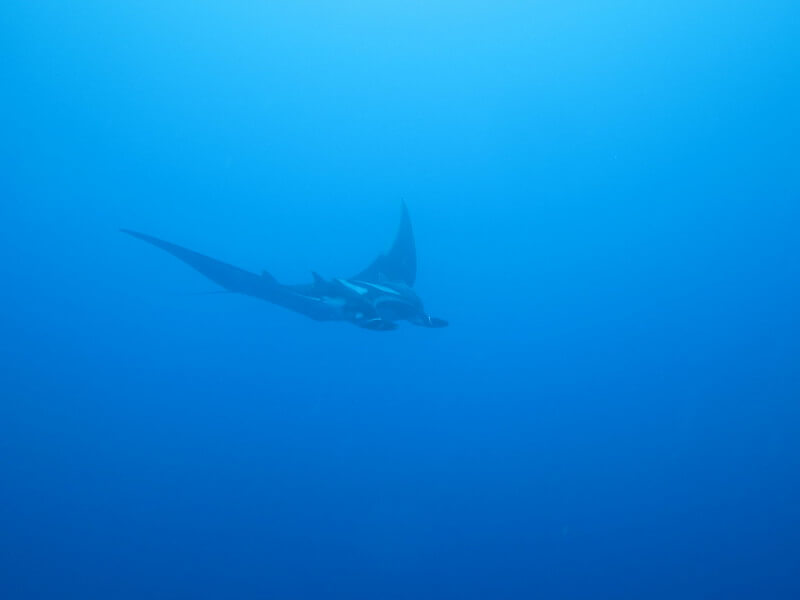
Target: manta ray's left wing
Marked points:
239	281
400	263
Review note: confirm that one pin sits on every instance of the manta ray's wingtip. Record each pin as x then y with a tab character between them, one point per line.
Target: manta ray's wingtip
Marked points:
147	238
133	233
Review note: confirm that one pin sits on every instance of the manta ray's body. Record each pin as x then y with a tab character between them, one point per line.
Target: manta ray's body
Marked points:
375	299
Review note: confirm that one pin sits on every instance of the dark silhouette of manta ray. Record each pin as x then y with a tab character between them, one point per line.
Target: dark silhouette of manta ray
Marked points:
377	298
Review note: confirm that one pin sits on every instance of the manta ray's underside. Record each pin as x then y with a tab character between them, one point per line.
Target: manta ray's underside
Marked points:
376	298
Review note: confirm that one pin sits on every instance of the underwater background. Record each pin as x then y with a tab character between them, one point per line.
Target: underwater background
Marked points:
605	198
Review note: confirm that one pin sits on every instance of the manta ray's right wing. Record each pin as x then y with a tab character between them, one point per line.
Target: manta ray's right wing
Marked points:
400	263
239	281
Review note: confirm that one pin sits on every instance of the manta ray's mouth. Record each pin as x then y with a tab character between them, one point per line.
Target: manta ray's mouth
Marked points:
379	325
396	309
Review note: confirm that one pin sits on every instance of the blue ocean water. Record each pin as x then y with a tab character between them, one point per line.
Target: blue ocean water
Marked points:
605	202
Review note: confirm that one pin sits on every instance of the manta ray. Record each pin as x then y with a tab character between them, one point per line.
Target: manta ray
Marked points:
375	299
